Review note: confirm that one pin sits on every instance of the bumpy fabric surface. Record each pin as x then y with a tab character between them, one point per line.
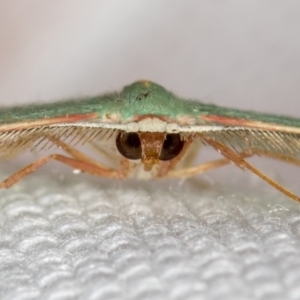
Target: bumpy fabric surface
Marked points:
79	237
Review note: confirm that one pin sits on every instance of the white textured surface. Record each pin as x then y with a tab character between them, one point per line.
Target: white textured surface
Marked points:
77	238
86	238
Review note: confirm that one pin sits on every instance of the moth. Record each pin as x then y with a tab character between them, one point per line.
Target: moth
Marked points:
146	132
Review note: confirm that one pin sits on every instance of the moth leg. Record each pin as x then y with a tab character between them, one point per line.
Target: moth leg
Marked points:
192	171
123	171
72	162
78	161
75	153
240	162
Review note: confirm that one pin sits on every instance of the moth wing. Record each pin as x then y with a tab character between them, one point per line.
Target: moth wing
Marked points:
40	134
278	141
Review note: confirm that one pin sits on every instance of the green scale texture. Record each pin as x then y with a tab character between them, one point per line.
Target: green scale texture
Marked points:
137	99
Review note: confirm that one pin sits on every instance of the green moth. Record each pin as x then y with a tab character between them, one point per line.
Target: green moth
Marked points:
146	132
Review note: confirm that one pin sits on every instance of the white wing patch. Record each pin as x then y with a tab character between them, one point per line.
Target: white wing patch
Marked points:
145	125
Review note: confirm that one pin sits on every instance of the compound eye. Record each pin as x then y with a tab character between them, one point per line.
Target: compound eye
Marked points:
172	146
129	145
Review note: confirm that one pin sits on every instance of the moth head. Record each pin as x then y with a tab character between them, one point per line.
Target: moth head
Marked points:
150	147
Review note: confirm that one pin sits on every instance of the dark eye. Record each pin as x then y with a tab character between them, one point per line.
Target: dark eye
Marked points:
172	146
129	145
